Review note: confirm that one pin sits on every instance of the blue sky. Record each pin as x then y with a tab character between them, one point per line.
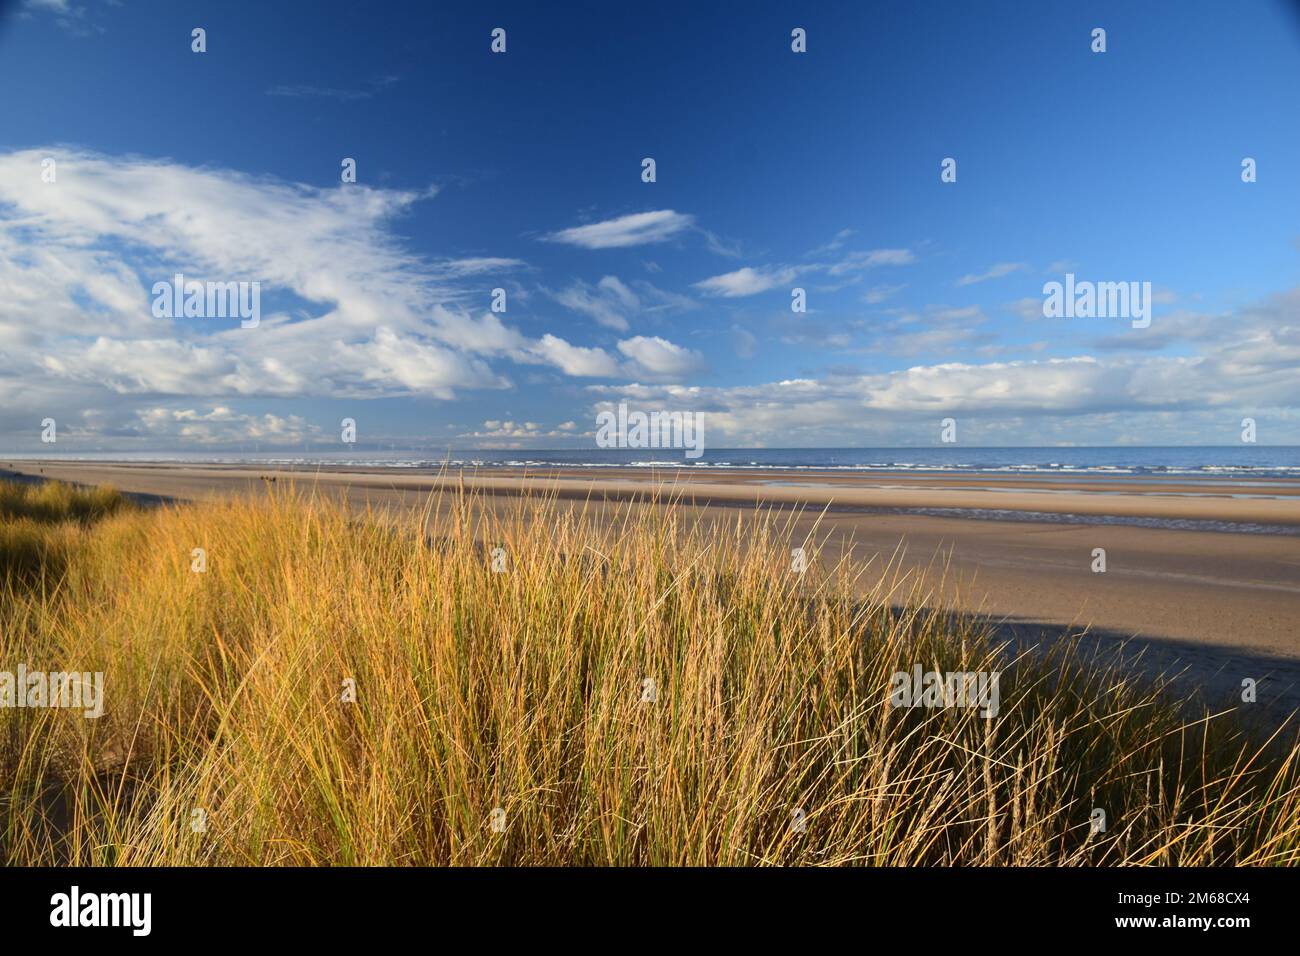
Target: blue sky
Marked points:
522	171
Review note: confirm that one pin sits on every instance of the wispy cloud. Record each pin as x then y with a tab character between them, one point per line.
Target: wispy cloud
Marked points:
744	342
751	280
609	302
727	248
613	303
858	261
747	281
835	244
459	268
637	229
879	293
68	16
311	91
994	272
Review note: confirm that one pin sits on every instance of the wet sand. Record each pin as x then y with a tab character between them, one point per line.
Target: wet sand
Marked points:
1225	602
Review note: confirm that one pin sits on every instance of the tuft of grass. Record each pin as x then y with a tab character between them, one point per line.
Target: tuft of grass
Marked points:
33	554
53	501
230	736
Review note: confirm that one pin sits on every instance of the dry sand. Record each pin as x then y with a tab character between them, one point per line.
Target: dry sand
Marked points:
1222	603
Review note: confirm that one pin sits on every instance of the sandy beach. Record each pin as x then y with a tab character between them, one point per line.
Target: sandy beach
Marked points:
1017	549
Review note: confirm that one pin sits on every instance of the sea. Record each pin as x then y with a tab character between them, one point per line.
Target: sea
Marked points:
1253	471
1237	462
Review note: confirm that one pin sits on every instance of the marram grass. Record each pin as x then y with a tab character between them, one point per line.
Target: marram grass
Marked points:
769	739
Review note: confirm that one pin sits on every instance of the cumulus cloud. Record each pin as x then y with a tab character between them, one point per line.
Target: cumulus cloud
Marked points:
575	360
653	357
494	430
1018	402
222	425
347	311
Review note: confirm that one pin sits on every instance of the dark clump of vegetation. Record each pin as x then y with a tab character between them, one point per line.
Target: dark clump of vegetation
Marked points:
53	501
34	554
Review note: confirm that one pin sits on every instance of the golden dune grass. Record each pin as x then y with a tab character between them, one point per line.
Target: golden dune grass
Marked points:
525	691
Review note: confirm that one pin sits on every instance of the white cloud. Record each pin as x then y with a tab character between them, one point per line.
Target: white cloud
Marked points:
1017	402
747	281
727	248
658	358
1029	308
573	359
632	230
608	303
744	342
836	243
751	281
994	272
347	311
221	425
456	268
858	261
613	303
391	361
877	294
495	430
